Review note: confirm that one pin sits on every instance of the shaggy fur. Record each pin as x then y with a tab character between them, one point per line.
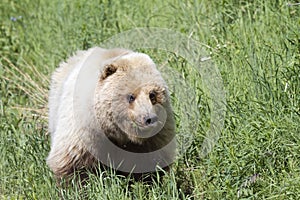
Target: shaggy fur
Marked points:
108	93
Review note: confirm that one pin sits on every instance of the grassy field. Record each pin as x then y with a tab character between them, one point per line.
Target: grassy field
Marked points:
254	44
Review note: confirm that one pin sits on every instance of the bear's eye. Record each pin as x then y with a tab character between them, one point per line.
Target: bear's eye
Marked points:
152	97
130	98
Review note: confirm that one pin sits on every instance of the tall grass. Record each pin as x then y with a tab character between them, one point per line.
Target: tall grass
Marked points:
256	46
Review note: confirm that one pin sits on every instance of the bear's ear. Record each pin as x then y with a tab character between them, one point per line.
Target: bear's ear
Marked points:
108	70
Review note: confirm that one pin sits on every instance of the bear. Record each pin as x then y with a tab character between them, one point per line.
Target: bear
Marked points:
110	106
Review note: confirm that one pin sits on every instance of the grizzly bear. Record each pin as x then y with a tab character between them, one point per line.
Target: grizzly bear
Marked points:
110	106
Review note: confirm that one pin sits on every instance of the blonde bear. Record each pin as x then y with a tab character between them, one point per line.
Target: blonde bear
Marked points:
109	106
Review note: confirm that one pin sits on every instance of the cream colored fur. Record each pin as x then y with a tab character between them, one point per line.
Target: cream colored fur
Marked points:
82	106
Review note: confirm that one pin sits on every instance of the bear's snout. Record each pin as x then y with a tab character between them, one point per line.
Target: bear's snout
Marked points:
150	119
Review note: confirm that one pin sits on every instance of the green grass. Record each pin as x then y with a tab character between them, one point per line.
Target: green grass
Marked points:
256	47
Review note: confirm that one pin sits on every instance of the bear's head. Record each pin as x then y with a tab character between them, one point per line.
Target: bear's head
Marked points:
132	99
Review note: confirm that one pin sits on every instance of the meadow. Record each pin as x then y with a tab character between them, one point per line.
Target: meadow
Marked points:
255	45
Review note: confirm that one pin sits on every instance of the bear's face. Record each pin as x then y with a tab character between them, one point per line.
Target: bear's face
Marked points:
135	96
141	114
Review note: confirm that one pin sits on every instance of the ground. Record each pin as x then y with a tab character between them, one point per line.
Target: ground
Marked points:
255	46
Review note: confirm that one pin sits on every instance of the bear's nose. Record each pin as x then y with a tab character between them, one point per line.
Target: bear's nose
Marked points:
150	119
